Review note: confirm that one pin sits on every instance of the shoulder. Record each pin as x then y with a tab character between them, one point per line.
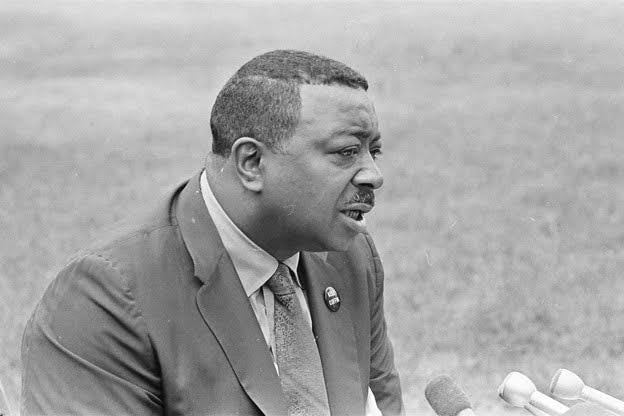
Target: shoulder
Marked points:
140	228
91	317
109	276
362	255
142	241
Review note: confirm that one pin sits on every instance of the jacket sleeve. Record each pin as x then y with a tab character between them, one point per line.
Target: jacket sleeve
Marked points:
86	350
384	378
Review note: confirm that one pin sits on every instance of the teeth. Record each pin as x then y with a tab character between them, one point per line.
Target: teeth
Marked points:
353	214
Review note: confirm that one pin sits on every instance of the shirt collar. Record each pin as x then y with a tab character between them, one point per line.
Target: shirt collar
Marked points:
253	265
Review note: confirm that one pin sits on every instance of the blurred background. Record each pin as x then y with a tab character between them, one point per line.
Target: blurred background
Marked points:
500	221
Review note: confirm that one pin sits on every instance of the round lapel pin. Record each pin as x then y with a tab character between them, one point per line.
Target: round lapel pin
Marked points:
332	300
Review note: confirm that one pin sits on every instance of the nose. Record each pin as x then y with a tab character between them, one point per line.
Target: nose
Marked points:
369	175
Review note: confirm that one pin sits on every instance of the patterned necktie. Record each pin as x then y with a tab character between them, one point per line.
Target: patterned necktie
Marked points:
297	356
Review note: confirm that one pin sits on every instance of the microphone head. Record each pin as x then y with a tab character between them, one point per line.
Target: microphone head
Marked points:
566	385
445	397
516	389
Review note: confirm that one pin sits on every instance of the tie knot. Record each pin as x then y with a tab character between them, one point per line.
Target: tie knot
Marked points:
281	283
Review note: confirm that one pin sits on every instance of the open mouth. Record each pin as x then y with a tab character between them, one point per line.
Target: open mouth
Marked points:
354	214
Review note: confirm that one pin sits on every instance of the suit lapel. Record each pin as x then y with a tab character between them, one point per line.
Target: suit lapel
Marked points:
335	336
224	306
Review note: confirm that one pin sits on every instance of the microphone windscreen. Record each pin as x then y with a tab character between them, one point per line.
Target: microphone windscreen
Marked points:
587	409
445	397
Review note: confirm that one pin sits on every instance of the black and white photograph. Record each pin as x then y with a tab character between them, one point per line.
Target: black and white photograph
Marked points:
304	208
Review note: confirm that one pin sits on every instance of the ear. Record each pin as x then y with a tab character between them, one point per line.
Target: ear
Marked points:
247	154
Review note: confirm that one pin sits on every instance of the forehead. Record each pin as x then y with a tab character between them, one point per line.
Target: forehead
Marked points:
329	108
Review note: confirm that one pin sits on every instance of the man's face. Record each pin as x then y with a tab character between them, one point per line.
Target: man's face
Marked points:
321	185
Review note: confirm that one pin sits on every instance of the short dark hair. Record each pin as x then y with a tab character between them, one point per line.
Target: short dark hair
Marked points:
262	99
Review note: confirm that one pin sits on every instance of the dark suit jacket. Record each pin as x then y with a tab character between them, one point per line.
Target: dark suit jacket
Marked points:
155	321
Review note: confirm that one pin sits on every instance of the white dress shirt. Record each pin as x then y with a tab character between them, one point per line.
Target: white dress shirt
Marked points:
254	267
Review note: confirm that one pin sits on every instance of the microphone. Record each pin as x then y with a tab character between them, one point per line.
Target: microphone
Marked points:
446	398
518	390
587	409
567	385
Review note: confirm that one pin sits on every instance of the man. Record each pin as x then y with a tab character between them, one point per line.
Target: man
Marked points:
254	288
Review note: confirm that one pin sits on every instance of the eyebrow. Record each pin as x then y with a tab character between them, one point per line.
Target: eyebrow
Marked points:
361	134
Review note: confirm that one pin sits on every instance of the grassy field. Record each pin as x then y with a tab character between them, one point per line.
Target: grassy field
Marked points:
500	222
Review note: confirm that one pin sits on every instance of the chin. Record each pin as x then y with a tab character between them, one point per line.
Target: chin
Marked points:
343	243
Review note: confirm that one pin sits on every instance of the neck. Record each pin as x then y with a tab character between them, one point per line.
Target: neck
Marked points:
275	245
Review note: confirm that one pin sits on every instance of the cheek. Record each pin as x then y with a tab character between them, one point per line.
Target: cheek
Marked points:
315	189
321	193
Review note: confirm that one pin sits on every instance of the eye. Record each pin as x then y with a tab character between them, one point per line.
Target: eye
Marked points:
349	151
376	152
